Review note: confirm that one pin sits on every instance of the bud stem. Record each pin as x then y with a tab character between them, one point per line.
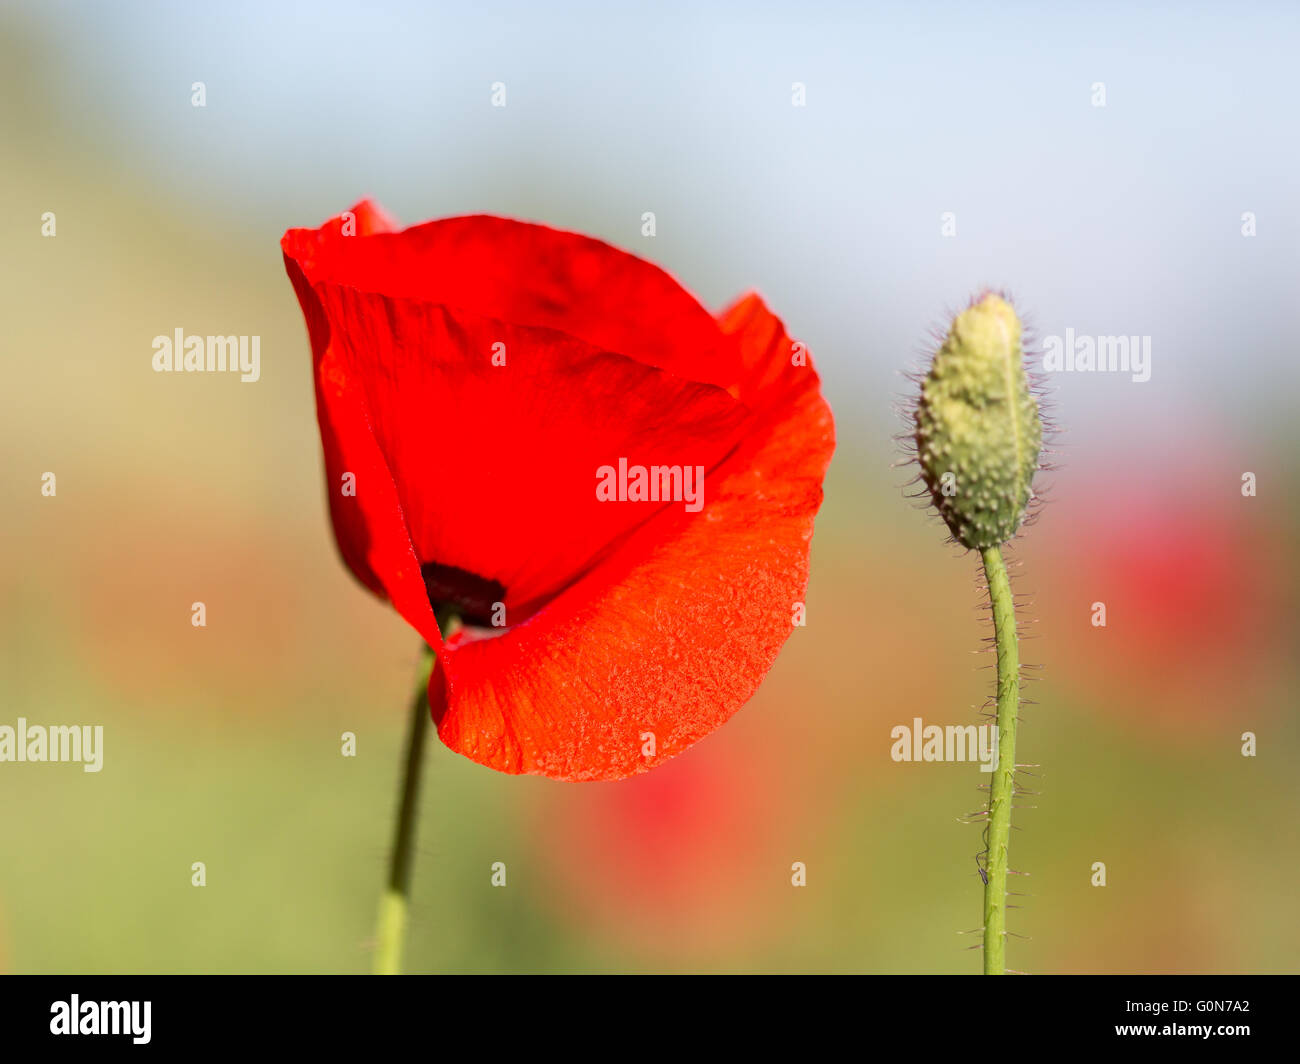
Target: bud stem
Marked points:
1002	787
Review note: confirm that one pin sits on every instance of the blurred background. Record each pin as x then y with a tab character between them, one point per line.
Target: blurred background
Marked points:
222	744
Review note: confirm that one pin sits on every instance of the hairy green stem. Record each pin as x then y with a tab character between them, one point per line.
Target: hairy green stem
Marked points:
391	929
1003	784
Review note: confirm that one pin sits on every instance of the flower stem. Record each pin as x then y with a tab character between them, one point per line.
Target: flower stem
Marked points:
1003	785
393	904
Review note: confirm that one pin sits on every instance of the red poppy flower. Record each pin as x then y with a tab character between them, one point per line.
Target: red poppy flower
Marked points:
482	385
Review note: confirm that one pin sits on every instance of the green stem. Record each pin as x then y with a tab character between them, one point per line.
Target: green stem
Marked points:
393	904
1003	784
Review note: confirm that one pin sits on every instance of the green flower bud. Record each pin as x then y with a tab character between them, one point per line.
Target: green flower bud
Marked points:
978	428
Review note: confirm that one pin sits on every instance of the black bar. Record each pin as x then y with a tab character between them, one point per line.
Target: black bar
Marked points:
521	1017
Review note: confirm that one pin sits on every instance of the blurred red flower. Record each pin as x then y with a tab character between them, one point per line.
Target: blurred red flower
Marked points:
687	861
1186	570
473	377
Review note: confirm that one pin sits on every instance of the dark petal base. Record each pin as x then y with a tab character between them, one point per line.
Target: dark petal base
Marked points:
470	595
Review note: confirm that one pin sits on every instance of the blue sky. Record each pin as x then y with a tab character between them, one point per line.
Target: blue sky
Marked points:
1116	220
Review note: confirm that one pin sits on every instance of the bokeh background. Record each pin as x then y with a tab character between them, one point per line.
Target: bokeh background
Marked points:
222	744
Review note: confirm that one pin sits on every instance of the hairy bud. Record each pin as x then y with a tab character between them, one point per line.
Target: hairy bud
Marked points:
978	427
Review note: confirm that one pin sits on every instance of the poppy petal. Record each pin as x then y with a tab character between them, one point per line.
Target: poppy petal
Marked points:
496	467
674	631
369	526
528	274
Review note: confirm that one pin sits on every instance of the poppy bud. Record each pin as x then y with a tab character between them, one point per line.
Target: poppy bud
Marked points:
978	427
